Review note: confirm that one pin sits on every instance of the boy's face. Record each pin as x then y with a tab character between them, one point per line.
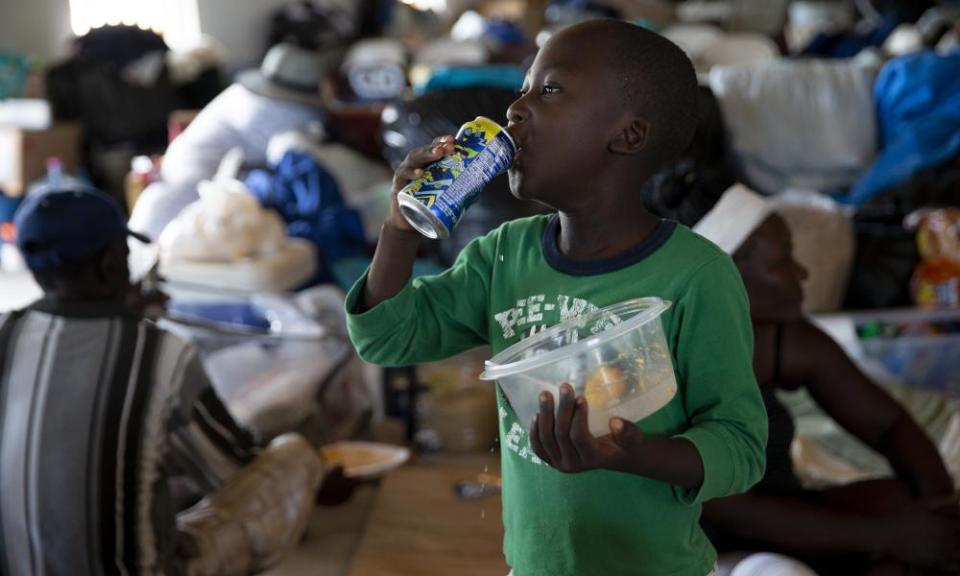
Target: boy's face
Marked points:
563	123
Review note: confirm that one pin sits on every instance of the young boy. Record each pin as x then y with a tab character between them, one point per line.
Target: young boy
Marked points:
605	104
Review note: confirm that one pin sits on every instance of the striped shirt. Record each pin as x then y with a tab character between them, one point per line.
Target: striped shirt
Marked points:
100	411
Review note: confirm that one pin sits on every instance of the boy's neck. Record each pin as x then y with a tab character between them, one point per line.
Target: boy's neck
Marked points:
604	231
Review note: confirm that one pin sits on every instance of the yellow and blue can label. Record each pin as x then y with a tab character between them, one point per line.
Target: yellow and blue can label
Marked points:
482	151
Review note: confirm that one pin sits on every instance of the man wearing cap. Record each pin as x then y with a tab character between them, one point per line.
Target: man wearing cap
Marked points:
104	417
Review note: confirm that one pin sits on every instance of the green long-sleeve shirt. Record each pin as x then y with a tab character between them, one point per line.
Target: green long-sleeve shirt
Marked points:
514	282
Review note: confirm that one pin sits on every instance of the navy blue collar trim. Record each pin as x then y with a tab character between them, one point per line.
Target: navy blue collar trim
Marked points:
561	263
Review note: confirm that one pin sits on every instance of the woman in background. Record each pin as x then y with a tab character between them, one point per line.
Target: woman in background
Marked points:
889	526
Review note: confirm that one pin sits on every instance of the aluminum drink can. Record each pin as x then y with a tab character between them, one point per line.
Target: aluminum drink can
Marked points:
434	203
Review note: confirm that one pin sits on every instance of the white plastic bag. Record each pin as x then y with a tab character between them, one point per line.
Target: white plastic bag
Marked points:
799	124
226	224
708	46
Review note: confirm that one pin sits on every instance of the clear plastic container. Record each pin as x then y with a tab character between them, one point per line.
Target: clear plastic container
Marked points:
918	347
617	357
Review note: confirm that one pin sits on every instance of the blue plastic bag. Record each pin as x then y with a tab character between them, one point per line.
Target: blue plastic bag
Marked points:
308	199
917	100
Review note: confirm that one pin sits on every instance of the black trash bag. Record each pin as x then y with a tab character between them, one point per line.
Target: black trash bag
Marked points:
688	188
200	91
117	84
887	252
932	187
311	25
902	10
117	46
885	258
417	122
374	17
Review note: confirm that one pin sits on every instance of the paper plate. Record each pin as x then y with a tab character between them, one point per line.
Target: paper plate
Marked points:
364	459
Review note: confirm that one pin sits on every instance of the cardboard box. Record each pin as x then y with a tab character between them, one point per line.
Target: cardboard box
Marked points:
24	154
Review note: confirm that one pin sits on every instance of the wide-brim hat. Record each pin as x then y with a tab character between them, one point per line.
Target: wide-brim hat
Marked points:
289	73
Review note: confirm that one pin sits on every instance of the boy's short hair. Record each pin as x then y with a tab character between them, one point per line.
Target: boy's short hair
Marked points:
657	78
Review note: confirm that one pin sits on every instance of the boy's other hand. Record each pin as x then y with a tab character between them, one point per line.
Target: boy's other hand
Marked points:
412	168
564	441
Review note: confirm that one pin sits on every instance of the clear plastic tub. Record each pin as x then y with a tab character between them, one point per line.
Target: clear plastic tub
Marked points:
617	357
919	347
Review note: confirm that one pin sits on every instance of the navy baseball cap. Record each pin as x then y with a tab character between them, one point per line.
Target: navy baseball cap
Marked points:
63	226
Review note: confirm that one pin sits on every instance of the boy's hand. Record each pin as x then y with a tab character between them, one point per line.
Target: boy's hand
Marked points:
412	168
399	241
565	443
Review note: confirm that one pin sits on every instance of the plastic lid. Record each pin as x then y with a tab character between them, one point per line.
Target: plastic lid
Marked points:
500	365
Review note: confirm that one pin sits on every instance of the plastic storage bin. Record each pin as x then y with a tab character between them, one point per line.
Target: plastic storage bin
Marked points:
617	357
919	347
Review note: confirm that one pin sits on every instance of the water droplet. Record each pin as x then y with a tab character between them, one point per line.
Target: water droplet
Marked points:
486	469
483	514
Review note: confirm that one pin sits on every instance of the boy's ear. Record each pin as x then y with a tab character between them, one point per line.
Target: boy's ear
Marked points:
633	138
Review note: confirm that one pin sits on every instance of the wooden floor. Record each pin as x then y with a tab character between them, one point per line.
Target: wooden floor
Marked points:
418	526
331	539
412	524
